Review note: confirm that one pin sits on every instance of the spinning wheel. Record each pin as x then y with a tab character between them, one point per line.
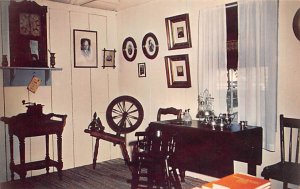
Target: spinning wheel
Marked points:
124	114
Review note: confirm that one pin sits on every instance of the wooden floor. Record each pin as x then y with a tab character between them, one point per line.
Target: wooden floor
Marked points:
107	175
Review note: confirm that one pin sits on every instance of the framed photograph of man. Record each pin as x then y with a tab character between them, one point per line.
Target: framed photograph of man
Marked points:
178	32
85	49
178	71
109	58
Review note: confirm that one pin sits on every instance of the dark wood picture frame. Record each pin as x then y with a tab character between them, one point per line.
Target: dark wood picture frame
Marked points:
150	45
141	69
109	58
129	49
178	32
85	49
178	71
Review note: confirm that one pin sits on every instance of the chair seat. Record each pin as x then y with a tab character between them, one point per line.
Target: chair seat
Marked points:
287	172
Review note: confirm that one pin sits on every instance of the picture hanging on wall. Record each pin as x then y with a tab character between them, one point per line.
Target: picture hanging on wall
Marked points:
150	46
178	71
129	49
109	58
85	49
142	69
178	32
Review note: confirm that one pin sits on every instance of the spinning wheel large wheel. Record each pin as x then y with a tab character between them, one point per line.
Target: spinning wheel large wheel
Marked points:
124	114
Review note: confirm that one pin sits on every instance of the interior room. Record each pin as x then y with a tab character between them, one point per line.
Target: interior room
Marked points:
124	65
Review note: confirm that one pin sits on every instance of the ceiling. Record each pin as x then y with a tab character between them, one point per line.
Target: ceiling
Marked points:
112	5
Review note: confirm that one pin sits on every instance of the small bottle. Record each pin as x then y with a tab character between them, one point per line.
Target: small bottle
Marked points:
187	117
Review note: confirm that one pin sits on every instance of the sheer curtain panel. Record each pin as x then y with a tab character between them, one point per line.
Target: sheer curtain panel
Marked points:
212	62
257	79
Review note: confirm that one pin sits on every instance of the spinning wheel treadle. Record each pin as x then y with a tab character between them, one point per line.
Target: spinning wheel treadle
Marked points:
124	114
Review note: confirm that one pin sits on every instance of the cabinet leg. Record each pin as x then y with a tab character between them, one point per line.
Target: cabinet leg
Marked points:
96	152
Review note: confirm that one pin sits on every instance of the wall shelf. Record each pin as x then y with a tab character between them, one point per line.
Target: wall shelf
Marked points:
21	76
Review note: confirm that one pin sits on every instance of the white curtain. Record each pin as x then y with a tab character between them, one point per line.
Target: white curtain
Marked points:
212	62
257	77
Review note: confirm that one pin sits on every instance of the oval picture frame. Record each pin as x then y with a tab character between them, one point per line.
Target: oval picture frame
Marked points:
129	49
296	24
150	45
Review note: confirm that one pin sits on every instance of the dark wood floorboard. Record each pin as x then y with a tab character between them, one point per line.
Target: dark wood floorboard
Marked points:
110	174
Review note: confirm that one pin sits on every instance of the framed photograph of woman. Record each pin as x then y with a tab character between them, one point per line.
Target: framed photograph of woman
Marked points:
85	49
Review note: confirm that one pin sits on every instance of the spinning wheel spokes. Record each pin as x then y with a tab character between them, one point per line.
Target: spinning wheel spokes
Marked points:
124	114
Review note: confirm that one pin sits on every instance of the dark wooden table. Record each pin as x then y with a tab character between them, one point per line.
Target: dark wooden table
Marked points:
209	150
26	125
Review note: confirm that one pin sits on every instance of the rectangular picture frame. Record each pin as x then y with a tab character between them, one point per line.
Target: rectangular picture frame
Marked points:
109	58
85	49
178	71
141	69
178	32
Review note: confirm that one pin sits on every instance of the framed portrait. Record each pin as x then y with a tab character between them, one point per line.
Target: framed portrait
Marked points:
109	58
150	46
129	49
85	49
178	32
141	69
178	71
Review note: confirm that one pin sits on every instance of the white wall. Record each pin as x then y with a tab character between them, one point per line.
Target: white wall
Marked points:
77	92
80	92
153	92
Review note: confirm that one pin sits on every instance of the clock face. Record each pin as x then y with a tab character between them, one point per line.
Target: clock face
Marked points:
35	24
30	24
24	24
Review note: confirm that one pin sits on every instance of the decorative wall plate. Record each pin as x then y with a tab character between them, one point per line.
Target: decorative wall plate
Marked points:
150	46
296	24
129	49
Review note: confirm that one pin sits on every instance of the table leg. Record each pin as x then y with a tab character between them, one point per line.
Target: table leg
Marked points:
59	154
252	169
22	157
182	174
12	163
96	152
47	158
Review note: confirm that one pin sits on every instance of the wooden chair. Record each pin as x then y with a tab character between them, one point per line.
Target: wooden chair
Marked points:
168	111
287	170
152	157
151	161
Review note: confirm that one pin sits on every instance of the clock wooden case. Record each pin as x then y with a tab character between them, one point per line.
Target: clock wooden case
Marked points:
28	34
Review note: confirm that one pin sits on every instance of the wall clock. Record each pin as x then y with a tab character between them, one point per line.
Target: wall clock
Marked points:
296	24
27	34
129	49
150	46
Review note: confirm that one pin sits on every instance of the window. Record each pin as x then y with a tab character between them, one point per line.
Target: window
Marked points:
232	57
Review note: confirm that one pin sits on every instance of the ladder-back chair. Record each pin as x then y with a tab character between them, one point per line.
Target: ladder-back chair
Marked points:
288	169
